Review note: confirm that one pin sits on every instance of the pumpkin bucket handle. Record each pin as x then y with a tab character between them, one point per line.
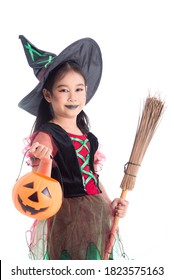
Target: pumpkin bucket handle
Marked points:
20	170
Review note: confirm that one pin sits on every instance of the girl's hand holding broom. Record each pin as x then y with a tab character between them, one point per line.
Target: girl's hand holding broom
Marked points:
119	207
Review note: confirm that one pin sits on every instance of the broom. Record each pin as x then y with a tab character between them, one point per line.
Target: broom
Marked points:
152	111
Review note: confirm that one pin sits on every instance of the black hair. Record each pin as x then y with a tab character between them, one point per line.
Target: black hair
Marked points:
45	112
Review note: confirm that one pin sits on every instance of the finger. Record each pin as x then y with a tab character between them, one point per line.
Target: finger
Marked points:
34	147
121	210
40	151
43	152
120	214
123	202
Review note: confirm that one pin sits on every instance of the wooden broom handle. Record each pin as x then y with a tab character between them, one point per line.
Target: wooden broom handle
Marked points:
114	230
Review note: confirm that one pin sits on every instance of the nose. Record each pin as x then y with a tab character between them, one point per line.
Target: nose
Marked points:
72	96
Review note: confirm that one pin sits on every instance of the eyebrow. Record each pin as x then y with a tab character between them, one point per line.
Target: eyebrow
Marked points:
67	85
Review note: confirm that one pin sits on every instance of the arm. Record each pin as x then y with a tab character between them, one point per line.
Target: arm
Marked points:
42	149
104	193
118	205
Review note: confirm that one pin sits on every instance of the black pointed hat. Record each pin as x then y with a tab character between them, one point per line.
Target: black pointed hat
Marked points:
84	52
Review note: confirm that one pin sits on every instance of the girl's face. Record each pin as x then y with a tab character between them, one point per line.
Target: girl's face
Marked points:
68	95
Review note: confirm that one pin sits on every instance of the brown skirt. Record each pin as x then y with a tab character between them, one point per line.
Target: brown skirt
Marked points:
80	230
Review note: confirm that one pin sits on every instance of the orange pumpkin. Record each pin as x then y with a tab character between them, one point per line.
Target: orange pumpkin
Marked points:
37	195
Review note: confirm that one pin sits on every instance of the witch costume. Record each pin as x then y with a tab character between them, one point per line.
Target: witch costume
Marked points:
81	228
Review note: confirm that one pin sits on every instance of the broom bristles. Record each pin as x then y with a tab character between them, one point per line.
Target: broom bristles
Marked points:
147	124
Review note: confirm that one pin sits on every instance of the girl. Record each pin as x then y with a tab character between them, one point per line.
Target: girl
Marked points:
61	146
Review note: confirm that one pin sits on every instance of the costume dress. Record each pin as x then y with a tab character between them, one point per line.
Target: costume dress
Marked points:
80	230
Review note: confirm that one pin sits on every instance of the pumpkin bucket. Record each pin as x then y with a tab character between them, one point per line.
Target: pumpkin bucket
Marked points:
37	196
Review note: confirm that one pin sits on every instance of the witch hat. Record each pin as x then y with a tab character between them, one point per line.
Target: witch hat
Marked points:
85	52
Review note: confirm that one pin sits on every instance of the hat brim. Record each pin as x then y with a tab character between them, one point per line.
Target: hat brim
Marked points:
87	54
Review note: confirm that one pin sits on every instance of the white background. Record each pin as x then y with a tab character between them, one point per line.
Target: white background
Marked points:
137	43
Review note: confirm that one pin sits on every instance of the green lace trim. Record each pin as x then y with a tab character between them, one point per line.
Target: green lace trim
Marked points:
85	161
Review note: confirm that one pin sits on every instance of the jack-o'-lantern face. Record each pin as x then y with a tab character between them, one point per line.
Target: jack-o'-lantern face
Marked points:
37	196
